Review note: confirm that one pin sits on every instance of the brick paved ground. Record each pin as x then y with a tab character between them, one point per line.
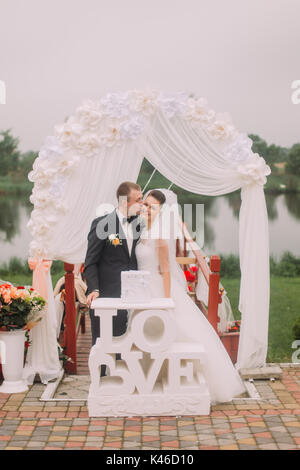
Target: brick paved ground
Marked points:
28	423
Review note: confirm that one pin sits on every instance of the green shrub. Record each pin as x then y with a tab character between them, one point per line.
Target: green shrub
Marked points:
274	266
18	266
57	267
289	262
230	266
14	266
287	266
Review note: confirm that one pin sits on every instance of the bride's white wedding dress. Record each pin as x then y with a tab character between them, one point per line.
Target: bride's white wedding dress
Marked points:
222	378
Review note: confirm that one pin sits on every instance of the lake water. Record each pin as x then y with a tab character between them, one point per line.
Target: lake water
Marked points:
220	224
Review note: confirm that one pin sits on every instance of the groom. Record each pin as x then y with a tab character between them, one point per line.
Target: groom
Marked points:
111	249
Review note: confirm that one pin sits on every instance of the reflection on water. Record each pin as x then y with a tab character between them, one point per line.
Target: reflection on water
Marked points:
221	216
220	223
14	235
293	204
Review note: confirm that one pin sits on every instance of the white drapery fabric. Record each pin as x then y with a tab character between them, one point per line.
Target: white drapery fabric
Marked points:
42	356
90	191
104	143
92	185
255	277
189	159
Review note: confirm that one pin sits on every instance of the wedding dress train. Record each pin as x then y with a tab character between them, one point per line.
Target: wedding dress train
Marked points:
223	380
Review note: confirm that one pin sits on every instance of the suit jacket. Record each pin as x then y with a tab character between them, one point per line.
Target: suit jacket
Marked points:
104	261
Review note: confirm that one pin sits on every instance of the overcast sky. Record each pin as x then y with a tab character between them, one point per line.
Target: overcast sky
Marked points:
242	55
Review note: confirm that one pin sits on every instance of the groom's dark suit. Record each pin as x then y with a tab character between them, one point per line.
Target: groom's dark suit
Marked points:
104	262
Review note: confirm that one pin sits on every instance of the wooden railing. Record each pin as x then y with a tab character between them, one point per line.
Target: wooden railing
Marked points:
70	335
74	321
211	275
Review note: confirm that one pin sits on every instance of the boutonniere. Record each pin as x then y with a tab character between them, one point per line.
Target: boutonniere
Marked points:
114	239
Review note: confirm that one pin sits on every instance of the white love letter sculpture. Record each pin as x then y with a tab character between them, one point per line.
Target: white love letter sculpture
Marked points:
108	343
111	386
139	383
155	344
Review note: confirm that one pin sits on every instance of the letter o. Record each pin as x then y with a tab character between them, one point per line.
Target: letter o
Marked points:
154	343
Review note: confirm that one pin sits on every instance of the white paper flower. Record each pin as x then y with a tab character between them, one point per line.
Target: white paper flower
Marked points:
144	102
239	150
255	170
172	103
51	148
221	128
131	128
197	110
39	199
46	221
36	250
45	199
69	133
66	164
57	185
88	144
115	105
112	137
42	175
40	230
89	114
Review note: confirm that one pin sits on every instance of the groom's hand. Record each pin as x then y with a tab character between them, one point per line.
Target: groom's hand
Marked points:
92	296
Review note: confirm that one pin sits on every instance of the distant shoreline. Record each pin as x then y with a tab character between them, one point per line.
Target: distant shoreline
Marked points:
276	184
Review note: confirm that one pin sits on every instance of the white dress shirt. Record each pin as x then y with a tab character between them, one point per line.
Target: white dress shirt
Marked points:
127	228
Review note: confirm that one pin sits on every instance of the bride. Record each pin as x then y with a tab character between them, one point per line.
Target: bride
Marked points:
156	252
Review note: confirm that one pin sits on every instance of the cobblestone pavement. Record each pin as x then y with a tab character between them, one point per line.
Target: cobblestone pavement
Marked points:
271	423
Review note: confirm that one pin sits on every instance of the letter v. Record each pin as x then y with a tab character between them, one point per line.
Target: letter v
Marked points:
143	384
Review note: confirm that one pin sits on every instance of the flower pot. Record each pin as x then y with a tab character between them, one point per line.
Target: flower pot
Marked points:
231	344
12	348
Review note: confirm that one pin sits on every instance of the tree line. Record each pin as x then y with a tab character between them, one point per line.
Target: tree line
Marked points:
12	161
275	154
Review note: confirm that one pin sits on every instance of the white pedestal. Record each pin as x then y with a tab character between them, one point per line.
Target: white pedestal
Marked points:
155	404
12	349
172	385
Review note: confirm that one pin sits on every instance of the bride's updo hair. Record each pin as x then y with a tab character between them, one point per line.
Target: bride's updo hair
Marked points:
158	195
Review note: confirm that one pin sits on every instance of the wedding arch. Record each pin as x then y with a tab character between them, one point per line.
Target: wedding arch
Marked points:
103	144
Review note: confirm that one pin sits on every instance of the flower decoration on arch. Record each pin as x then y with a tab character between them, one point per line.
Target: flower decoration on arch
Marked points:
100	125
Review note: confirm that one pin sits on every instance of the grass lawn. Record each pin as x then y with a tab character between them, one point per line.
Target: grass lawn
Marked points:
284	309
26	280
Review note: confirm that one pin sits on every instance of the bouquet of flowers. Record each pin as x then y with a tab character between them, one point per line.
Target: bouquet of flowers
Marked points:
20	307
191	277
234	327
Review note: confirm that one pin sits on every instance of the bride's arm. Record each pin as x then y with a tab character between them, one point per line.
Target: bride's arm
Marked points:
164	265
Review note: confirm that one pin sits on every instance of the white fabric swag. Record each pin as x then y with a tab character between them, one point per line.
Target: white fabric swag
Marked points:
104	143
188	159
